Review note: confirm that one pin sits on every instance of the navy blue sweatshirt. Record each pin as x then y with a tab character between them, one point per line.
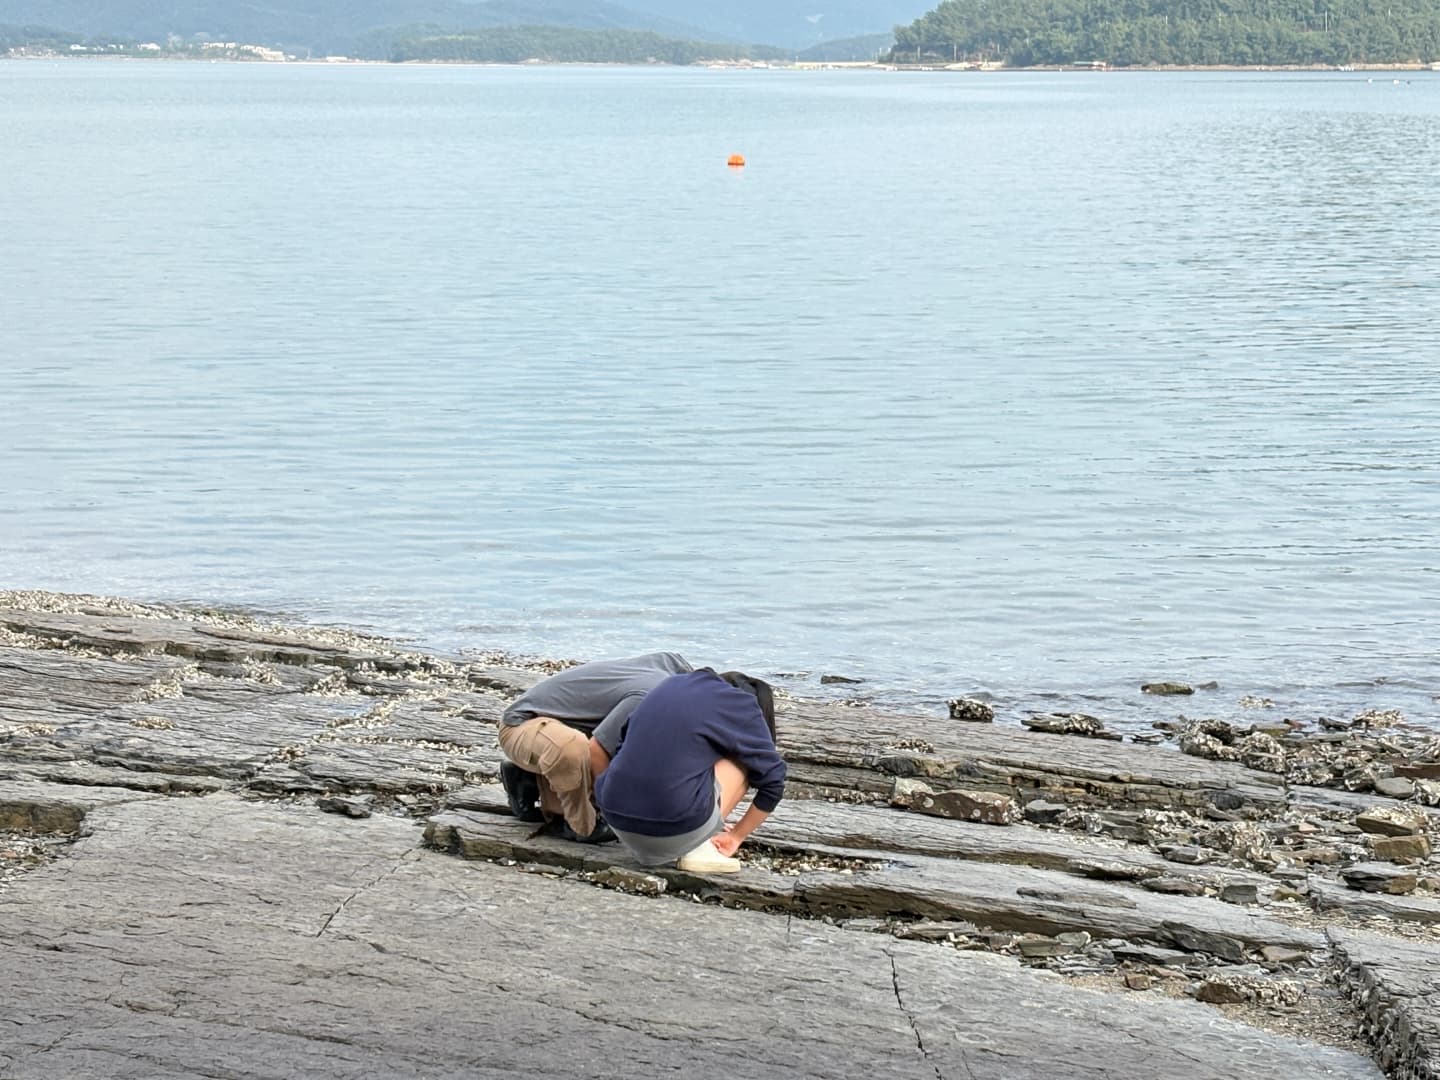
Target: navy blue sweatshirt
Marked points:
662	780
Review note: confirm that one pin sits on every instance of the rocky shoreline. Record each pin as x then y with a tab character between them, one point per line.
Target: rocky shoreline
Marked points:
236	849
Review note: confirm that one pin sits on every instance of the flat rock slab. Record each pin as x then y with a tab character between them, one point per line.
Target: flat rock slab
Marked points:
1397	986
836	745
87	774
135	715
996	896
843	825
1338	801
388	767
806	823
217	937
856	749
30	806
49	687
187	638
1333	896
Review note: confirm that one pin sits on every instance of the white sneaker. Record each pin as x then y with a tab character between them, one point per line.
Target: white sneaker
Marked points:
706	860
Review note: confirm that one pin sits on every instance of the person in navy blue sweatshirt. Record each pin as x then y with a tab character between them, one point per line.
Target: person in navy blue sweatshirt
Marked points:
694	745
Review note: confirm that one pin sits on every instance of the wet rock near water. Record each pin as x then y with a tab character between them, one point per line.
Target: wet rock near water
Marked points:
1081	724
321	784
1167	689
986	807
971	711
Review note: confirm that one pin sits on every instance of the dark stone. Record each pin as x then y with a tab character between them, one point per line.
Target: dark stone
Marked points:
1089	727
1429	770
1220	992
1395	787
1194	939
1167	689
971	711
1391	821
1397	848
1190	854
1380	878
353	806
1150	954
1040	812
986	807
1174	886
1227	800
1240	894
631	881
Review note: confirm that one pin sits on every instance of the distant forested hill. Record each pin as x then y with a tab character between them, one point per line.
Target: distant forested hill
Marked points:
1026	33
324	26
516	44
795	24
12	37
867	47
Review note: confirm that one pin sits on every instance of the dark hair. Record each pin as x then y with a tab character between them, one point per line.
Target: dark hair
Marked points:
762	690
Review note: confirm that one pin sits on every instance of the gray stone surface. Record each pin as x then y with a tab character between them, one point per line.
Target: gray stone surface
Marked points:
37	807
212	921
1332	896
1397	986
991	895
833	745
217	937
847	826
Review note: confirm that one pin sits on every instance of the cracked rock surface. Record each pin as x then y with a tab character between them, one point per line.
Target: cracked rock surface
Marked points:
176	901
221	937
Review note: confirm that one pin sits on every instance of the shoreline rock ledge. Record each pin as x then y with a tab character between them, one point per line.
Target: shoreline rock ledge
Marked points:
237	849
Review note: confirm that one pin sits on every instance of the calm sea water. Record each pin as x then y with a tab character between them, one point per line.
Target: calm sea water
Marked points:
1031	385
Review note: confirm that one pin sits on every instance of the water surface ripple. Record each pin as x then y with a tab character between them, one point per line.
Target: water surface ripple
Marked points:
1036	386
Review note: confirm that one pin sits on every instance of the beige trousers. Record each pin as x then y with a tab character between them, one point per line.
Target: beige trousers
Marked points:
560	757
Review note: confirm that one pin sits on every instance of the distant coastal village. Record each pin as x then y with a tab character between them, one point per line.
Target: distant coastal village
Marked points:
241	52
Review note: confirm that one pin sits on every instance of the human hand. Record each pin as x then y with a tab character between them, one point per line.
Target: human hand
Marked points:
726	843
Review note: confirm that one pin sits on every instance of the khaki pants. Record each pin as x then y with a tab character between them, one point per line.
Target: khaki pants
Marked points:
560	757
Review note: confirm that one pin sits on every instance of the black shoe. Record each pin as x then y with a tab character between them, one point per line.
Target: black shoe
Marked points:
522	791
559	827
601	834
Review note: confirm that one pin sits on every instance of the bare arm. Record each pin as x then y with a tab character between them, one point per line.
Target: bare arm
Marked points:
730	840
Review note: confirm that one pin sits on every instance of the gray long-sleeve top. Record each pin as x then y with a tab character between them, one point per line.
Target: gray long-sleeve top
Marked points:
597	697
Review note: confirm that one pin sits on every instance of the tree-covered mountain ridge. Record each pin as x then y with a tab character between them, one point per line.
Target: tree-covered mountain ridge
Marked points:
321	26
1160	33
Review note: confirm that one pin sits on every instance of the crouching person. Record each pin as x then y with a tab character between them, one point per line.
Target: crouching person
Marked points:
693	747
563	727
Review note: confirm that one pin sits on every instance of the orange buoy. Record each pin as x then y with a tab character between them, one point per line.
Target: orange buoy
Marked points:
737	161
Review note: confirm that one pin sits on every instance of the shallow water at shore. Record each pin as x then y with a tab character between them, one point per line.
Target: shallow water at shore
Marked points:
1032	386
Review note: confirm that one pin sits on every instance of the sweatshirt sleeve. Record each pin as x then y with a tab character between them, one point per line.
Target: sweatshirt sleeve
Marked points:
611	730
750	745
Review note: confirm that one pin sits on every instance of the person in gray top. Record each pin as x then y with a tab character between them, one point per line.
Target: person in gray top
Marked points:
565	729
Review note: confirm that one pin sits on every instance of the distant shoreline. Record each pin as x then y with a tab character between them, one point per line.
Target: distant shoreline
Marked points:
801	65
